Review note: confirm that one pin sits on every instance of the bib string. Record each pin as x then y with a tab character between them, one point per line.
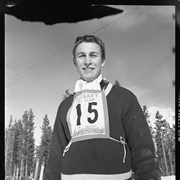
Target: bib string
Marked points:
123	142
67	147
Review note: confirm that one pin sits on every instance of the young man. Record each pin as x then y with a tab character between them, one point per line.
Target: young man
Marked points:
100	131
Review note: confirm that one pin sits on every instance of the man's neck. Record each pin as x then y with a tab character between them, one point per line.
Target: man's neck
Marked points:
98	79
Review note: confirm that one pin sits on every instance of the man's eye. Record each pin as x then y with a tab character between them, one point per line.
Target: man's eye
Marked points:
93	55
80	56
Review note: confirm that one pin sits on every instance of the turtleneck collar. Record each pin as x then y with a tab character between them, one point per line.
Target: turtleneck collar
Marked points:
94	85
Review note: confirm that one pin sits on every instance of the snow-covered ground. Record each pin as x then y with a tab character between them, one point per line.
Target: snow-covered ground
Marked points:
168	178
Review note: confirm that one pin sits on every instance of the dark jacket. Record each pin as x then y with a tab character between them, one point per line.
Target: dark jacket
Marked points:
105	156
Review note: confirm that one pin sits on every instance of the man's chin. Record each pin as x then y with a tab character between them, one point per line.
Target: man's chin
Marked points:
88	79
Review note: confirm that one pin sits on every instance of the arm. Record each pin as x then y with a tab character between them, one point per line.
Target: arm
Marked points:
59	141
139	139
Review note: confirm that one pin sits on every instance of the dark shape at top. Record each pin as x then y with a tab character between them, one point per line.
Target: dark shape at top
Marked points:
12	2
54	11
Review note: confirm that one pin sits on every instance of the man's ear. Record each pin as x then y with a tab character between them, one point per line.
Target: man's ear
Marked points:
74	61
103	63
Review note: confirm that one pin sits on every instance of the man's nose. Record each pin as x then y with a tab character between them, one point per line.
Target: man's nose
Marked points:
87	61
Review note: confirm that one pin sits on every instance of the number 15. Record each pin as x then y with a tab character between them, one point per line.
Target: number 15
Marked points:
90	110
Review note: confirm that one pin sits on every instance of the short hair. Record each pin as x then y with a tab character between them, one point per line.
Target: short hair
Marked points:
89	38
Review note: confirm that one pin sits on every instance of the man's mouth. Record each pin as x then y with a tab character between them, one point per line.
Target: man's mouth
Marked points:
88	68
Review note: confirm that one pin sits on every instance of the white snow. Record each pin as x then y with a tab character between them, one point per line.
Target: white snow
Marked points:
168	178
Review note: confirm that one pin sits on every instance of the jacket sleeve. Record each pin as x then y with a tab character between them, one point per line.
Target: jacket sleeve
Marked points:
59	141
139	139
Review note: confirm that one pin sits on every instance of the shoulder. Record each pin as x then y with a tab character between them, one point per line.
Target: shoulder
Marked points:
63	108
66	103
123	92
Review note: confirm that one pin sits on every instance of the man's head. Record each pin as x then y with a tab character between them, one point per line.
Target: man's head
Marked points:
92	39
89	56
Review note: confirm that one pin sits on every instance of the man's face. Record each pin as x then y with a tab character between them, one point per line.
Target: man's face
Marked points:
88	60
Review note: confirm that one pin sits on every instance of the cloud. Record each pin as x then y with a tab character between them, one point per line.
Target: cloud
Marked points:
139	92
131	21
133	16
161	11
127	20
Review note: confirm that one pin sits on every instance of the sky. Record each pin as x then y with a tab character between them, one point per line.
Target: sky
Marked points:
138	42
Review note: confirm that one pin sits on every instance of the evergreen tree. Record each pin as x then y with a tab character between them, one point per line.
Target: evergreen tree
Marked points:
147	116
67	94
117	83
39	160
169	142
161	127
44	147
19	146
172	137
31	142
36	160
17	150
7	134
28	142
9	145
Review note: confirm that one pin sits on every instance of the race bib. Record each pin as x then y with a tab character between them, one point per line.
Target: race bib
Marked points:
88	116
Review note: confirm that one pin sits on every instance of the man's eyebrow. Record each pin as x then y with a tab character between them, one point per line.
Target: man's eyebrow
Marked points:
80	53
92	52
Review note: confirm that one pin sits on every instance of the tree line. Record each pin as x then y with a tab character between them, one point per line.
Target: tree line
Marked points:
24	159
